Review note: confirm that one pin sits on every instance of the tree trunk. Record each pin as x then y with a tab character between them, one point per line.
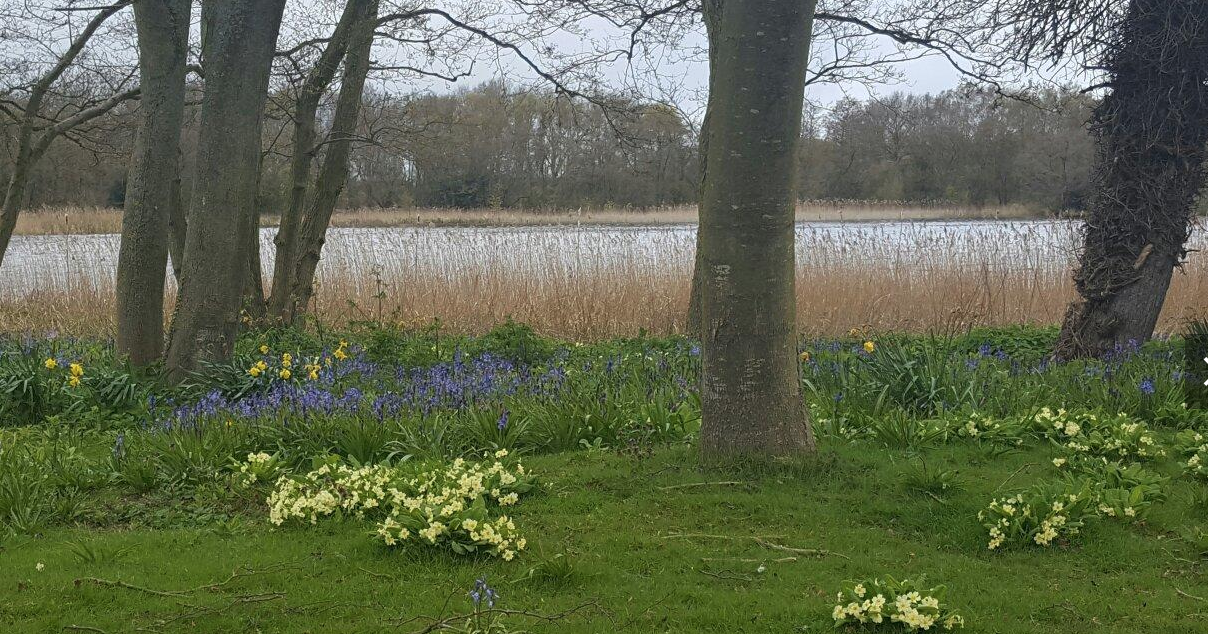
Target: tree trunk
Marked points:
255	307
1151	135
751	392
177	226
305	114
153	183
334	172
238	48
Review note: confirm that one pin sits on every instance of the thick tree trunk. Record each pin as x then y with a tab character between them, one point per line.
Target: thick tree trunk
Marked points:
238	49
305	113
1151	133
334	172
153	184
751	392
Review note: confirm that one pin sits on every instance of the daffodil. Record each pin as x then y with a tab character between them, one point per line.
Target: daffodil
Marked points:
51	363
870	347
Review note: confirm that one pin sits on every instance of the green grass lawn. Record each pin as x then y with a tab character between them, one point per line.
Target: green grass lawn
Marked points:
625	543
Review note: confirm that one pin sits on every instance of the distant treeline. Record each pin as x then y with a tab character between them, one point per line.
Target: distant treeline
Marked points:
496	146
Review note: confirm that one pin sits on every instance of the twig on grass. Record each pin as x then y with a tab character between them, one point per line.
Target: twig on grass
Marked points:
703	484
718	575
1012	476
749	560
762	541
1189	596
444	623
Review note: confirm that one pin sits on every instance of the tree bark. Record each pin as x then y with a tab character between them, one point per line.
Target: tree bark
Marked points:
305	114
1151	135
751	392
238	49
153	184
334	173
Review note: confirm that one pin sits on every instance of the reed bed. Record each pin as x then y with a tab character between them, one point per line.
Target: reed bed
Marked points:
589	283
99	220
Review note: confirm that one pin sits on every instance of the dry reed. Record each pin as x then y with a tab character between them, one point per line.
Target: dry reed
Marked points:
577	284
95	220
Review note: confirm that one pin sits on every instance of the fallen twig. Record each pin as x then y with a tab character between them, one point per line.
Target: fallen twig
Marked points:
703	484
762	541
1189	596
1012	476
730	577
443	623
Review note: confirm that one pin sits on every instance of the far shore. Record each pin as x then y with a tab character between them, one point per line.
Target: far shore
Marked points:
81	220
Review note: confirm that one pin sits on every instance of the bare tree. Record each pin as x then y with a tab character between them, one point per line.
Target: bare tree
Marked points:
305	115
750	389
60	101
239	40
329	184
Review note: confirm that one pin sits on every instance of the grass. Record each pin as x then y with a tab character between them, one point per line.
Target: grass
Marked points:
120	512
641	556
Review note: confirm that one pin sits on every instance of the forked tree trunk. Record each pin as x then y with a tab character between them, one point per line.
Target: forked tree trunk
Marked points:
238	48
153	184
306	109
751	393
334	172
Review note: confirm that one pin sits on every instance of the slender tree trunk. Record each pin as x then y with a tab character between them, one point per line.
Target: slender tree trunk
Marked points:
239	47
177	226
255	306
334	172
305	113
1151	134
14	199
153	184
751	392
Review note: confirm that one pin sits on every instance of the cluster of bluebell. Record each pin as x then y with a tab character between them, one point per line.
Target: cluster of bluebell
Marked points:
608	381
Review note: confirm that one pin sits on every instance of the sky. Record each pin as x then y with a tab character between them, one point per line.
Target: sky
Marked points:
684	81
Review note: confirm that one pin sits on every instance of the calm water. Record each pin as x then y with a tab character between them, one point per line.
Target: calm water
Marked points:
66	262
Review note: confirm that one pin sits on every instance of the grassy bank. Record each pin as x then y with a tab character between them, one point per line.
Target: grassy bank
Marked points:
87	220
127	504
628	544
